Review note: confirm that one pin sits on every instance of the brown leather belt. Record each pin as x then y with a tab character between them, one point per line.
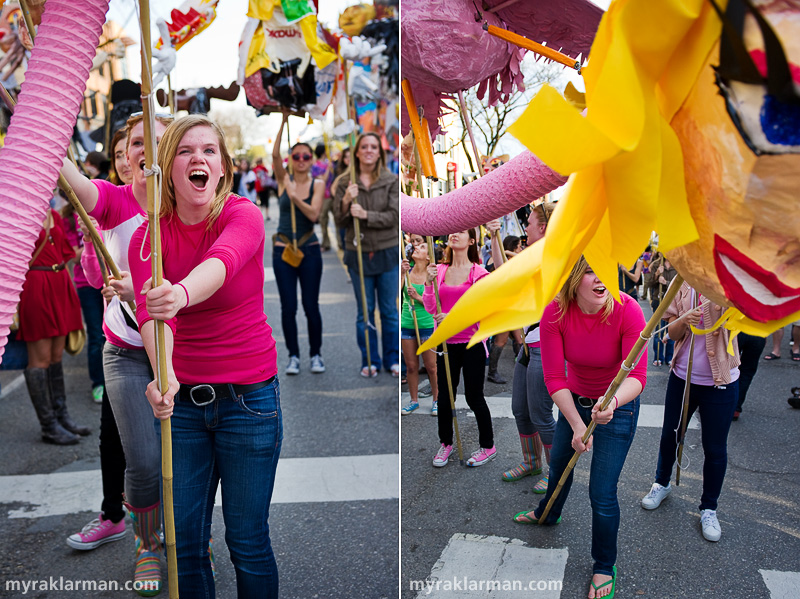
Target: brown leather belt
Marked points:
53	268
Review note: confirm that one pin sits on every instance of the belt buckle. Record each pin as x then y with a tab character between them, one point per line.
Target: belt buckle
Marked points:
54	267
589	399
204	388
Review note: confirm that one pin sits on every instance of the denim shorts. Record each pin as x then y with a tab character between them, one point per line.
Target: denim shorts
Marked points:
410	334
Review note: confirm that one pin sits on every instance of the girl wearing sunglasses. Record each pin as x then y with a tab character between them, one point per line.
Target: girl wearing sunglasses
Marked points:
373	198
306	194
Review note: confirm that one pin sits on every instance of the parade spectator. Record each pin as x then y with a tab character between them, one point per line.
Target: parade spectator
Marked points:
97	165
586	330
377	208
91	304
460	269
263	188
512	245
531	404
110	524
247	182
342	166
663	346
323	169
223	392
629	278
49	310
119	211
416	274
750	349
713	390
301	192
777	339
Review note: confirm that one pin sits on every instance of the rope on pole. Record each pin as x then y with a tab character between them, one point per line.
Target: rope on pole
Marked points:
627	366
685	407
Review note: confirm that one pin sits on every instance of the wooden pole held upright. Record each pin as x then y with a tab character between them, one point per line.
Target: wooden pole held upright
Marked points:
626	367
153	209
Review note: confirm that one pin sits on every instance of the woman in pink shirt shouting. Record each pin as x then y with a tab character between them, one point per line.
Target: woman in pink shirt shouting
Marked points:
223	393
588	331
459	271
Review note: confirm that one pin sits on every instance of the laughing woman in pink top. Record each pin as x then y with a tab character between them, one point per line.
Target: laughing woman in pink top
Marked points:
459	270
223	391
586	330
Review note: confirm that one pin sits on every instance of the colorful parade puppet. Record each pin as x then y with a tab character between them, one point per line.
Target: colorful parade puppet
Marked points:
39	134
686	133
284	59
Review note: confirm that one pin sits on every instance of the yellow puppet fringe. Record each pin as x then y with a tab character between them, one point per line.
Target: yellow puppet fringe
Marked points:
624	162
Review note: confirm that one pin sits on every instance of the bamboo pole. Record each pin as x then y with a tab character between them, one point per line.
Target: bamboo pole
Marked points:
432	260
153	209
407	287
627	366
496	234
685	410
357	222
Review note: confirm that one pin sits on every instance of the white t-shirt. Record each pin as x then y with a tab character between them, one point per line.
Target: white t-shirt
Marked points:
247	178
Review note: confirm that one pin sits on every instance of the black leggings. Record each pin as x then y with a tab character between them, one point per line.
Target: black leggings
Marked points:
473	363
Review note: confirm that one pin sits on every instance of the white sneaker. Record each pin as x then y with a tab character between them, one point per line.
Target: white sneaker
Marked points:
711	530
656	495
317	365
293	367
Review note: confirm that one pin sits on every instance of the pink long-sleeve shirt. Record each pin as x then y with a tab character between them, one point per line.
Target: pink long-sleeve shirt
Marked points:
450	294
118	214
226	338
592	350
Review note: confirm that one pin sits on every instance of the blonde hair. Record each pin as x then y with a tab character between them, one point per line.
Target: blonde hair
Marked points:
544	212
167	149
135	120
569	291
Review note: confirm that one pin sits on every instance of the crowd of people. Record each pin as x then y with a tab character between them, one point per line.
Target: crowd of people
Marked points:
220	351
570	359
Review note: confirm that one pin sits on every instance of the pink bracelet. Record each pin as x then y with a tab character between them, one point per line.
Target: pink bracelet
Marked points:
182	286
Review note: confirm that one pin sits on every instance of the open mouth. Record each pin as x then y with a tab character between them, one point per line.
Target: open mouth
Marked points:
755	291
199	179
599	291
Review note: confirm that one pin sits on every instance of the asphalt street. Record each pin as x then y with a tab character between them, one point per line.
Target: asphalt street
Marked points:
457	528
334	518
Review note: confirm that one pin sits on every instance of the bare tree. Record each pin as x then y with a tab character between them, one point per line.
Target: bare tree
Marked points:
489	124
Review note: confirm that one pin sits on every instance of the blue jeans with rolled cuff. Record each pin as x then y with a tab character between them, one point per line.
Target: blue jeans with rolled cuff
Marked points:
716	405
610	448
235	442
385	287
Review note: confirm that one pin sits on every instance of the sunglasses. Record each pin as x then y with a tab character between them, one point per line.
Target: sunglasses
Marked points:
303	157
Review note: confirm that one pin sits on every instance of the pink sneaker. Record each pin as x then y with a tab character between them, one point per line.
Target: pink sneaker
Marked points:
441	457
480	457
97	532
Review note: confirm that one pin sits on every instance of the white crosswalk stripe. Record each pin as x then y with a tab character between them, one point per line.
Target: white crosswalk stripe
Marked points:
298	480
650	416
781	585
493	567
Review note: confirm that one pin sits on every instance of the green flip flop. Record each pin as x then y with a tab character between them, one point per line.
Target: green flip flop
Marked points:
523	518
612	582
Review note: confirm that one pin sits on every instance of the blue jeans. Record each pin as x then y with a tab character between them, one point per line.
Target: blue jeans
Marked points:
127	375
609	451
385	287
309	274
93	308
716	407
236	442
663	350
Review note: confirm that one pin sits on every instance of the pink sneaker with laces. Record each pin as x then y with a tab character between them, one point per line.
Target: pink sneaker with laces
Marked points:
480	457
96	533
441	457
